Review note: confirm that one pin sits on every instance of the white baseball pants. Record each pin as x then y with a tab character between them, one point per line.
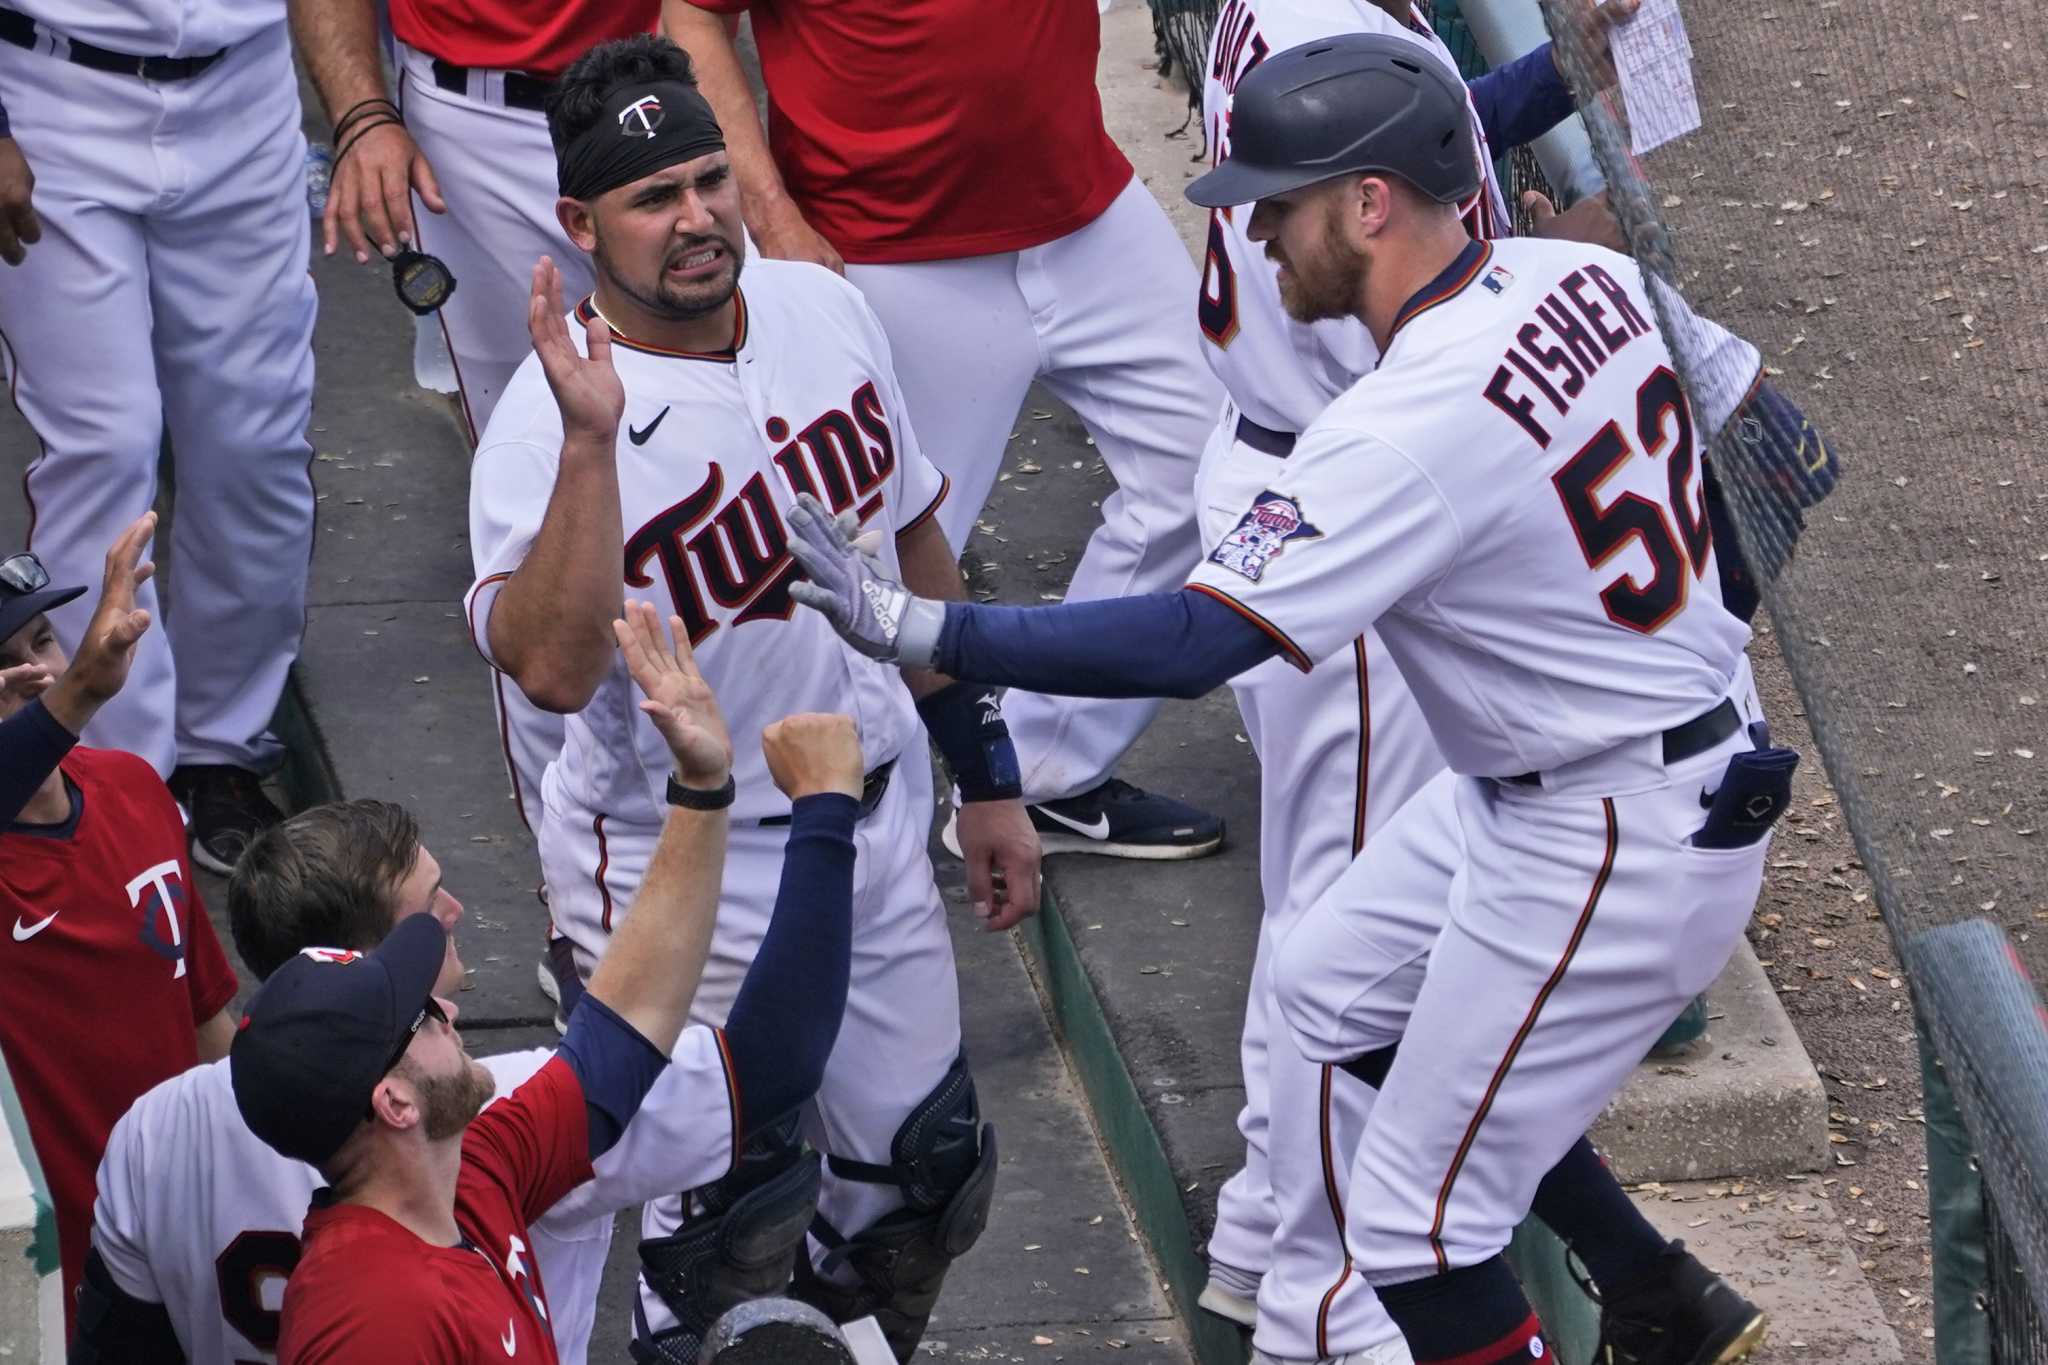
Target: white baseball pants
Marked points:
1102	316
170	292
1579	925
902	1026
1340	749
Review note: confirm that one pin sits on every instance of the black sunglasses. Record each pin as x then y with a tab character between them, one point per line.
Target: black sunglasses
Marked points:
23	574
431	1010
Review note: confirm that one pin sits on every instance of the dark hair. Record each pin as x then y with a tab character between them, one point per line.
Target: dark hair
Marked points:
326	878
577	101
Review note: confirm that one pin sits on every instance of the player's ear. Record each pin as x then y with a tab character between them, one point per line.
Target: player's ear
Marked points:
396	1103
1374	203
577	221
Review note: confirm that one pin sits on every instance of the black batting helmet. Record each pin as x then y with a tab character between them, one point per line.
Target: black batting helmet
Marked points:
1355	102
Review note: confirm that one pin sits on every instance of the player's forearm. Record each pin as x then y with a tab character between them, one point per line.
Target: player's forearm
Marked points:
1521	101
1172	644
648	975
32	743
930	570
550	626
337	40
783	1025
215	1036
709	39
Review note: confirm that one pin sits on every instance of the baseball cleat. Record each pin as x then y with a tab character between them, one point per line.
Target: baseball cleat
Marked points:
1685	1315
1118	820
228	809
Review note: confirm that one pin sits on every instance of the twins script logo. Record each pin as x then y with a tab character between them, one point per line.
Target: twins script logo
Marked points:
733	549
158	893
1261	534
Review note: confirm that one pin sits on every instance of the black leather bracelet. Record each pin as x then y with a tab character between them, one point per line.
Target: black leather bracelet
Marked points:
356	110
697	798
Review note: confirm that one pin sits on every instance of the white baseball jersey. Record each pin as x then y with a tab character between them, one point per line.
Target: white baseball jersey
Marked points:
1280	372
711	454
196	1213
1513	498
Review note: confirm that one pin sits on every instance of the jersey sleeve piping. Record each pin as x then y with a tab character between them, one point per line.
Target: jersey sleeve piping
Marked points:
1290	651
945	487
488	586
732	1094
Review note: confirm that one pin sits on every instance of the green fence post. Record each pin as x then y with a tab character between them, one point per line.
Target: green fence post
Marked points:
1955	1205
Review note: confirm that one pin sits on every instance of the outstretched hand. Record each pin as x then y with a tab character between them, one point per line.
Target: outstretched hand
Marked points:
1589	220
586	388
99	669
678	700
851	587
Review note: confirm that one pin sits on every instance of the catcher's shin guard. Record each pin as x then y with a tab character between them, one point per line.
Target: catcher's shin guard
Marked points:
945	1164
741	1238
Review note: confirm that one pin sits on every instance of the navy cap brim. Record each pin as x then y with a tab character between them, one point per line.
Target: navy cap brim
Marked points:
412	953
17	612
1237	182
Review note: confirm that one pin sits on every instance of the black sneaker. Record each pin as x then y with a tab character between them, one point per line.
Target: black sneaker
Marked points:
1684	1314
1119	820
228	809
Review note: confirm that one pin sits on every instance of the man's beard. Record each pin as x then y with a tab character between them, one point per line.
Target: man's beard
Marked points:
450	1102
1328	284
661	299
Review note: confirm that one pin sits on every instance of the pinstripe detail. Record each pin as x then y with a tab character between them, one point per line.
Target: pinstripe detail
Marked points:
1364	749
732	1089
1336	1216
1500	1072
604	861
1288	649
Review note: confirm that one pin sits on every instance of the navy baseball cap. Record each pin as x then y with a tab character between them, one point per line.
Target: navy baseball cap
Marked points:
26	593
324	1030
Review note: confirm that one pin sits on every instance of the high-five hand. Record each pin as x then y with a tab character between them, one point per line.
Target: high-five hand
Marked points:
678	700
100	667
871	611
586	388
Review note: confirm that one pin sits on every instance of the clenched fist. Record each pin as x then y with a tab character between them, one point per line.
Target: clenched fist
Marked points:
813	753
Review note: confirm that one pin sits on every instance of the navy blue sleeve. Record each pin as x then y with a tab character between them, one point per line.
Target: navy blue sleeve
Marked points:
786	1019
4	129
1164	644
614	1063
32	744
1521	101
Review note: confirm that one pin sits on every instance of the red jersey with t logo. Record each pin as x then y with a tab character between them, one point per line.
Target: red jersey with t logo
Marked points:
107	962
924	130
369	1292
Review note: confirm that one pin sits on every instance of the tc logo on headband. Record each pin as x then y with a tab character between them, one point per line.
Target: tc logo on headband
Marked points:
642	116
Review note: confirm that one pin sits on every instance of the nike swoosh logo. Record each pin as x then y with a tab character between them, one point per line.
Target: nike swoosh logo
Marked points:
639	436
1097	829
510	1341
24	932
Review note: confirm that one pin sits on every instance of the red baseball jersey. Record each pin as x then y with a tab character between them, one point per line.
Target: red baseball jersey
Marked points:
538	36
367	1290
922	130
108	964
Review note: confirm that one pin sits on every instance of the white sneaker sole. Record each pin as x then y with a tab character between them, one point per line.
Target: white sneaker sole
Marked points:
553	992
1053	843
209	862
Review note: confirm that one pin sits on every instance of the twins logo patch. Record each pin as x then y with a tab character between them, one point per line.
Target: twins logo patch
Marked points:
1262	533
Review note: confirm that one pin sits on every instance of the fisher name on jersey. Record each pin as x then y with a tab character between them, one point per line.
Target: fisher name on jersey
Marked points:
1513	499
713	450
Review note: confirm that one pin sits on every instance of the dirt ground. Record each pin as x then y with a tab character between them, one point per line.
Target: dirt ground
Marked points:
1865	201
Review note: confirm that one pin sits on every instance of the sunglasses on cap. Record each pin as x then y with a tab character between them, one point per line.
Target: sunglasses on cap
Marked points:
431	1010
23	574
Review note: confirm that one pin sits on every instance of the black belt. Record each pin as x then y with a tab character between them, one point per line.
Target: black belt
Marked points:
1681	742
1265	440
521	90
19	29
871	791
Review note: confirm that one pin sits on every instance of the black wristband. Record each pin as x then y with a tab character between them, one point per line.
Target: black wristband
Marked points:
966	724
369	125
341	124
697	798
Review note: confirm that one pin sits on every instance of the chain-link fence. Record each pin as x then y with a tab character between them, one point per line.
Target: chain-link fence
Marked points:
1864	201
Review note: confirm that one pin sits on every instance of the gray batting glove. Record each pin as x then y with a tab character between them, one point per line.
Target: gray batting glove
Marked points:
871	611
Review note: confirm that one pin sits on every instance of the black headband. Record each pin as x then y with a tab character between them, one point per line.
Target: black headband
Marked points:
646	127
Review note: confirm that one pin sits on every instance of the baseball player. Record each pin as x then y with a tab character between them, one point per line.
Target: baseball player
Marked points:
887	121
198	1223
169	295
651	446
1542	580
